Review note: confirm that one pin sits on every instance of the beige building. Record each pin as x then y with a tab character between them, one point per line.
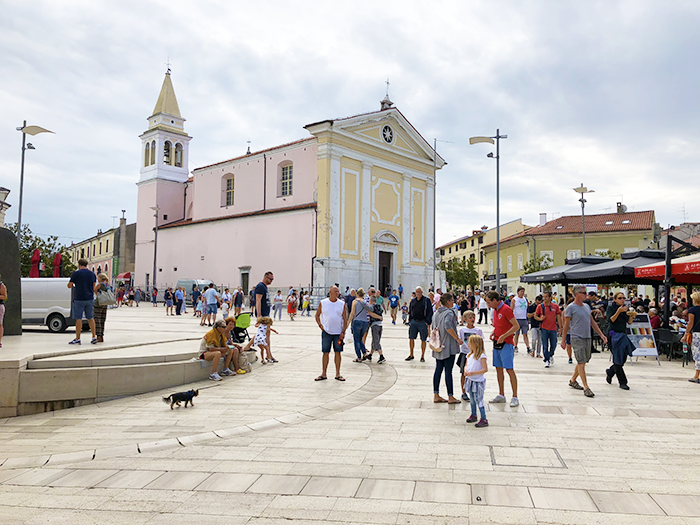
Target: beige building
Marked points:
111	252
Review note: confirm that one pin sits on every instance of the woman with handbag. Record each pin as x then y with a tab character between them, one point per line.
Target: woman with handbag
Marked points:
103	296
445	343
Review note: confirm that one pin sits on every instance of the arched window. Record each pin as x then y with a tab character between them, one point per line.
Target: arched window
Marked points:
107	269
147	154
227	187
178	155
166	153
99	270
284	179
153	152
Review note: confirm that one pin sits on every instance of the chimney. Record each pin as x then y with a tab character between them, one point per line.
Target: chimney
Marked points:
484	228
543	219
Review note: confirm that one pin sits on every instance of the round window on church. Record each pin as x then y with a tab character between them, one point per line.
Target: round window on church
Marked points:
388	134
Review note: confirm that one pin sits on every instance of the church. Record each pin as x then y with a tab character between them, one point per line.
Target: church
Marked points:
352	204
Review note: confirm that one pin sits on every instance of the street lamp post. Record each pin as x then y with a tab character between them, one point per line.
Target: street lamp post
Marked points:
156	209
26	130
490	140
582	190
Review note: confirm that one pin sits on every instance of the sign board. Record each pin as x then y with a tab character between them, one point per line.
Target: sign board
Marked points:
642	336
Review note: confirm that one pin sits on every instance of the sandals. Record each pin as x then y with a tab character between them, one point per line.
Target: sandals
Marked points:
694	380
575	385
340	378
320	378
357	361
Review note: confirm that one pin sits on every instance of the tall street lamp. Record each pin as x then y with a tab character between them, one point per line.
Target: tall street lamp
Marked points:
156	209
26	130
582	190
490	140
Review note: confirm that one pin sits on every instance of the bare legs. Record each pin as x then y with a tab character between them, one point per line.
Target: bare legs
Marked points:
501	381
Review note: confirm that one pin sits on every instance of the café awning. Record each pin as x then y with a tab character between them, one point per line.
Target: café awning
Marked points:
618	271
559	274
124	276
684	270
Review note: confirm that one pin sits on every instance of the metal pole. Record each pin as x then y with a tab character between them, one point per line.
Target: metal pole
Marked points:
498	213
434	202
583	223
155	250
667	282
21	187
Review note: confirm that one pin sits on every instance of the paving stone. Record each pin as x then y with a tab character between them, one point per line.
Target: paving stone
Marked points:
386	489
178	480
340	487
275	484
625	503
130	479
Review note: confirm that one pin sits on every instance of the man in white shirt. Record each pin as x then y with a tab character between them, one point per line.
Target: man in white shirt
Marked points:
519	306
331	317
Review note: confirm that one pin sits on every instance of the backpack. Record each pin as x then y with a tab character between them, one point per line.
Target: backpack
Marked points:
434	342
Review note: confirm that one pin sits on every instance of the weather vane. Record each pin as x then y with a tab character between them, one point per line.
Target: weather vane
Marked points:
167	64
387	86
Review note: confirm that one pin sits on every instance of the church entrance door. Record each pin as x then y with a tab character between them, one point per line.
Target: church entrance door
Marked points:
385	265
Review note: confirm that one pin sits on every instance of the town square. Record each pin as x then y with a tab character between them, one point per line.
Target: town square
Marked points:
240	245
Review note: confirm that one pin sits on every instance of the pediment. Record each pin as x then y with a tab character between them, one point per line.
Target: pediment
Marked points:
386	236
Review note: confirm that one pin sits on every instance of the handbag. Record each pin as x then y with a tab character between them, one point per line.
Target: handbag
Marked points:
434	341
105	297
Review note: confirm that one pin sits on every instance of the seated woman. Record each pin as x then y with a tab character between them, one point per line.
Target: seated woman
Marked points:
214	346
654	318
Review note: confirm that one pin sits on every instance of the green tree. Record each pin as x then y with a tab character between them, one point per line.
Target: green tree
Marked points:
48	248
611	253
460	273
537	263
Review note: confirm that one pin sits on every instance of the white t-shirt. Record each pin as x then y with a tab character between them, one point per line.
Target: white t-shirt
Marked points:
519	307
332	316
278	299
464	334
473	365
482	303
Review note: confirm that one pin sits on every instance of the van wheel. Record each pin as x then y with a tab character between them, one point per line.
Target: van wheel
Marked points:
56	323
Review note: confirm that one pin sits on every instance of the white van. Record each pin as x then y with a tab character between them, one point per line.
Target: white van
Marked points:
189	284
47	301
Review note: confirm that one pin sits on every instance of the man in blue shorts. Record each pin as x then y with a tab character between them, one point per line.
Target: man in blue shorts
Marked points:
83	280
504	326
420	317
332	317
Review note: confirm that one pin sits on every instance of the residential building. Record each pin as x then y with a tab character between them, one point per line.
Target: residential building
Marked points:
350	204
4	205
560	240
471	246
111	252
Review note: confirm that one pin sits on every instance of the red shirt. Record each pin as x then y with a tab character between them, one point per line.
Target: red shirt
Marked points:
550	315
501	322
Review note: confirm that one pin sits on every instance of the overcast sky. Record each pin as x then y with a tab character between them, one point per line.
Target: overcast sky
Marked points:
605	93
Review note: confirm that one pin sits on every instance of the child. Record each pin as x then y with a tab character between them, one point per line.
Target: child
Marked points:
476	382
465	332
198	309
264	324
375	325
225	306
404	313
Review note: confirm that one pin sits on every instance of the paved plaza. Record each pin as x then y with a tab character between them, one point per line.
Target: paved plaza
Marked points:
275	447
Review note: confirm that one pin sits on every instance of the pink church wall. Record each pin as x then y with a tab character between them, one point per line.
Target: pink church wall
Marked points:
209	183
144	232
281	243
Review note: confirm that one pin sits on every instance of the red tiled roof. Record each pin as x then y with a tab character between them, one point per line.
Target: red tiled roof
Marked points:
638	220
187	222
254	153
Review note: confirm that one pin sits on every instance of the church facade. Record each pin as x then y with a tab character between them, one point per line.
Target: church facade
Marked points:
350	204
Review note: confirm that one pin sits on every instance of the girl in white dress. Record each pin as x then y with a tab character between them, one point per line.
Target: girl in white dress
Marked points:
476	382
263	325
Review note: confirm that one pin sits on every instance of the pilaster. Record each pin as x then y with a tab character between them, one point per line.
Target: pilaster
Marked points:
334	206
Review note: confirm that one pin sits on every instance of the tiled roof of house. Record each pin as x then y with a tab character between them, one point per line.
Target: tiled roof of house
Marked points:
606	222
252	154
187	222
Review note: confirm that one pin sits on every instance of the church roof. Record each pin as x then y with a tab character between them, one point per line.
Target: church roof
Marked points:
167	102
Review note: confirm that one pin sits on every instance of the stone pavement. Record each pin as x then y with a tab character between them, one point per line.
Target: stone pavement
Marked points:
275	447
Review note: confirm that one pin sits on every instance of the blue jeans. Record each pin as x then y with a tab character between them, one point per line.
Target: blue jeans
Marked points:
549	342
446	365
482	410
359	329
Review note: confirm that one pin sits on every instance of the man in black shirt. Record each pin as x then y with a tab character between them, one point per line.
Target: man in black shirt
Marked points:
420	317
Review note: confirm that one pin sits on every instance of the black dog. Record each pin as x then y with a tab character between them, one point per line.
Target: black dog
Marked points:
176	399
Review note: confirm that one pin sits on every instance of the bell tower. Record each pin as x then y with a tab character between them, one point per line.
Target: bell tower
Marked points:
163	177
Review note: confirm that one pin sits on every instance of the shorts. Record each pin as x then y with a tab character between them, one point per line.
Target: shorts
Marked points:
694	346
376	336
328	340
418	327
524	326
582	349
2	313
394	310
504	358
568	339
461	362
168	302
212	308
83	307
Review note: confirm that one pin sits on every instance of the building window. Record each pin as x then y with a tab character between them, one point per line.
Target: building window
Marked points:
510	263
456	247
153	152
178	155
100	250
520	261
147	154
481	258
93	250
472	256
285	180
442	251
472	243
166	152
463	245
107	246
481	240
107	269
99	270
449	249
82	253
573	254
229	191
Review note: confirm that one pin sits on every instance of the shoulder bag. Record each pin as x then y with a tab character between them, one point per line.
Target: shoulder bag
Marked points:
105	296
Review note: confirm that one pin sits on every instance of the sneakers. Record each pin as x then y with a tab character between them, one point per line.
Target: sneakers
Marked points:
529	351
240	371
93	341
215	377
551	359
571	361
471	419
75	342
575	385
588	393
422	359
393	322
514	402
368	357
624	387
410	358
546	364
498	399
465	397
381	359
227	372
539	356
482	423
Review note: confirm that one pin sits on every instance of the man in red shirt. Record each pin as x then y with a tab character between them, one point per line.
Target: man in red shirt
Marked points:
548	314
504	326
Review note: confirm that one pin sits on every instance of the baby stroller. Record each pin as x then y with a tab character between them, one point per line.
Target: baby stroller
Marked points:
240	332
